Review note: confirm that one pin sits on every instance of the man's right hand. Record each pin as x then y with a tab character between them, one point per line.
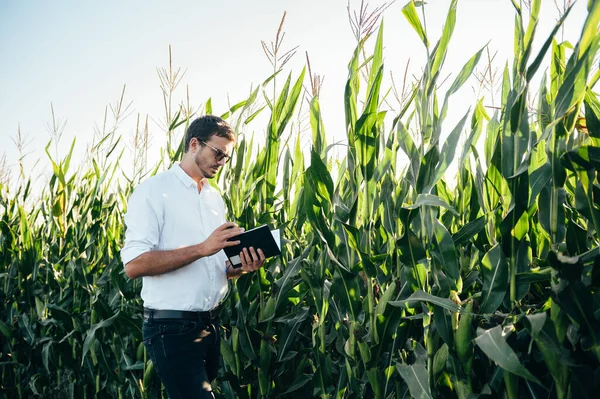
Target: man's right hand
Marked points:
219	238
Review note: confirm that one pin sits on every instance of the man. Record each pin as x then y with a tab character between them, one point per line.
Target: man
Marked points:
176	230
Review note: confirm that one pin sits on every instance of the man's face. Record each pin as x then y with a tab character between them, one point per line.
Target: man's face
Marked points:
212	154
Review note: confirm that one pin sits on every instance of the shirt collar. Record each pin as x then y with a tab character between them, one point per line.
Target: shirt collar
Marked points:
184	177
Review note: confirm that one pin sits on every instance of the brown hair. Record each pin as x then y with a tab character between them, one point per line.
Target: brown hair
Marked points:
207	126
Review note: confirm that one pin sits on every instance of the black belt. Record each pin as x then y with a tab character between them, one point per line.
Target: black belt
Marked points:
180	314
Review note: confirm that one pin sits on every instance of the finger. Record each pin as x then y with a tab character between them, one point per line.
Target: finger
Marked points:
231	243
261	255
243	260
227	225
234	232
249	260
254	255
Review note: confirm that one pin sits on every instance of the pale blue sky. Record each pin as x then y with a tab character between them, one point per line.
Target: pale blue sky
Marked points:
78	55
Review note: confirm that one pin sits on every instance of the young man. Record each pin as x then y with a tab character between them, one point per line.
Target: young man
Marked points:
176	230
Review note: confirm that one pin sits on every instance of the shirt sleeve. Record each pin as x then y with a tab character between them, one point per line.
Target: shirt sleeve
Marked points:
143	223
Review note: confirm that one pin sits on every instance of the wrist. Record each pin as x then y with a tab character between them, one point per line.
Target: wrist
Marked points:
235	271
200	250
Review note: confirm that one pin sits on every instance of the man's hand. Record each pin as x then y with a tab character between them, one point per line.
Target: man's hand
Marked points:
252	260
218	239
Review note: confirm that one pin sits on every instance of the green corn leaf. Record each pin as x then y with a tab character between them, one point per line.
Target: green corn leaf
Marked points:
412	251
477	121
407	145
529	34
521	264
577	301
376	379
26	234
299	382
430	200
573	88
495	279
542	53
279	102
5	330
442	46
468	231
583	158
491	139
410	13
555	357
208	106
535	276
552	212
589	34
289	336
417	379
267	312
448	151
515	225
237	106
244	334
440	359
290	104
368	129
426	169
91	334
387	319
493	343
285	283
318	175
254	115
46	355
421	296
592	114
385	163
461	78
443	324
347	290
351	93
176	123
515	141
539	179
318	131
444	251
465	72
376	67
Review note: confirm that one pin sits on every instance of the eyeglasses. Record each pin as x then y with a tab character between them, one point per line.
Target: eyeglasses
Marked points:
219	155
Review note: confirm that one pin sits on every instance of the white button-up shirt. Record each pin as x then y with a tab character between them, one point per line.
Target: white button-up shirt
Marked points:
166	212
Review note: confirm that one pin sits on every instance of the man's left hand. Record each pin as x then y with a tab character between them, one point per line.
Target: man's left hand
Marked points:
252	260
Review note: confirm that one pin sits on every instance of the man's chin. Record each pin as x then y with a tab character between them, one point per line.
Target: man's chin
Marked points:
210	173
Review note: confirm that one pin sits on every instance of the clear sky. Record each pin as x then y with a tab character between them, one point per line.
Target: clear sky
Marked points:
78	55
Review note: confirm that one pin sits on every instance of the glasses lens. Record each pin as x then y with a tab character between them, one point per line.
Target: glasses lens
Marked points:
219	155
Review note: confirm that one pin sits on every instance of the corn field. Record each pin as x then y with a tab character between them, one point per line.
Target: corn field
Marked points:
396	280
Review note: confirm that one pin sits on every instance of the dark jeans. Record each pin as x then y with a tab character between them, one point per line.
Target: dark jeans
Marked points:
185	354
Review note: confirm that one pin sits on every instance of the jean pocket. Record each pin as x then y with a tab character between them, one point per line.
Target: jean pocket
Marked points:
181	327
149	331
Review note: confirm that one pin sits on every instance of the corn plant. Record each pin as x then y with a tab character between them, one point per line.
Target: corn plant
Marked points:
396	279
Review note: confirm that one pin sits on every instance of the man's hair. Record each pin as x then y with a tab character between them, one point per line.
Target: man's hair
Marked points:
207	126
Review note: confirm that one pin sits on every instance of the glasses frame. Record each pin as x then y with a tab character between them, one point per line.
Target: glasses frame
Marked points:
219	155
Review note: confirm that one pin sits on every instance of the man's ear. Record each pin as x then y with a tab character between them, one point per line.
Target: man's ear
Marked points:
194	144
